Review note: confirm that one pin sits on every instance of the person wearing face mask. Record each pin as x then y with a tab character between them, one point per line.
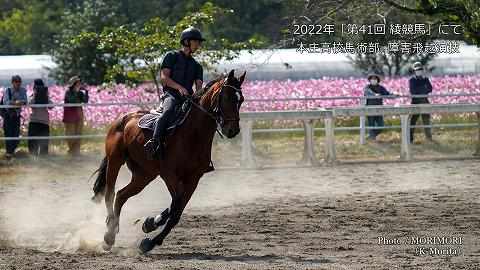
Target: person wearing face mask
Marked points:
73	116
372	92
420	85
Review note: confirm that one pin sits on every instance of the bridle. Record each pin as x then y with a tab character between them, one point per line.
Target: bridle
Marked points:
217	110
216	113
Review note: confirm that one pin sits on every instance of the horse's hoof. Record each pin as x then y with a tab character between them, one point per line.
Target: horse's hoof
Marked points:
109	238
145	246
149	225
106	246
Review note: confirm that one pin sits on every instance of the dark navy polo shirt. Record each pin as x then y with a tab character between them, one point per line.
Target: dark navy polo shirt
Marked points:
184	70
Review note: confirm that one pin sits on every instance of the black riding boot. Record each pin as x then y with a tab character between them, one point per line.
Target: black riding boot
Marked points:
155	144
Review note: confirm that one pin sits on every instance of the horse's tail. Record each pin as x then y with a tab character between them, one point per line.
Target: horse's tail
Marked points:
99	186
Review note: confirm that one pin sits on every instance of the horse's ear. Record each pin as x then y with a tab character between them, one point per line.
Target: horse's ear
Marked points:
231	75
242	78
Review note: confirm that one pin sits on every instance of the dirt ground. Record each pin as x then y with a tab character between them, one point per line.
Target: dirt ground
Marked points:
327	217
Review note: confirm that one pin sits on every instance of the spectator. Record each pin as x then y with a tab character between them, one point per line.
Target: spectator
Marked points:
420	85
373	91
14	95
39	119
73	116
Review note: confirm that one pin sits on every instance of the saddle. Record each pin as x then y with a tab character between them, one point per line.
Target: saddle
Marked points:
181	112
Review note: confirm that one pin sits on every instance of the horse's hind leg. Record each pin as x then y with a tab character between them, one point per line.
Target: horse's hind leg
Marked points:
113	168
140	179
115	160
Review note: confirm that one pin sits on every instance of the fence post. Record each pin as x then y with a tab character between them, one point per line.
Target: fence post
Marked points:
406	145
331	155
362	130
308	144
362	103
248	159
477	153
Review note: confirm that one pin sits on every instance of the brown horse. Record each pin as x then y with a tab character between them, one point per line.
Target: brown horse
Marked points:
189	153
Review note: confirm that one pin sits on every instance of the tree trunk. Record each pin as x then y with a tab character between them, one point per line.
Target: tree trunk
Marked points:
157	86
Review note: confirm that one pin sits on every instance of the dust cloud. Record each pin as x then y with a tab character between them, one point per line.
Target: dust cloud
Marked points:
51	210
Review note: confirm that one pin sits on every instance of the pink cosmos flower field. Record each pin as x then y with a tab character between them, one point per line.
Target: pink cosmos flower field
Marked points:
100	117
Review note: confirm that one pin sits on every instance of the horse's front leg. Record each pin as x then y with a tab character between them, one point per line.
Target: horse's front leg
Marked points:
152	223
175	212
179	201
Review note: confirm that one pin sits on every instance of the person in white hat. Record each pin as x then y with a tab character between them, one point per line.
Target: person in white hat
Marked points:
420	85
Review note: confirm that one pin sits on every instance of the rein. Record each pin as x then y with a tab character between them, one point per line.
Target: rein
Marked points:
209	114
200	107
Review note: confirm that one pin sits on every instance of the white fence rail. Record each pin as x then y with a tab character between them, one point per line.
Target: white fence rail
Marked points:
309	118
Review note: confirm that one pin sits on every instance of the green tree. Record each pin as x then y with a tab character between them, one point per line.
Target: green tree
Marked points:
14	33
30	29
464	12
250	19
78	51
385	62
140	52
6	6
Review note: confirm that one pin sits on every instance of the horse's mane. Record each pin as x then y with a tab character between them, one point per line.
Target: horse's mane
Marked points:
199	94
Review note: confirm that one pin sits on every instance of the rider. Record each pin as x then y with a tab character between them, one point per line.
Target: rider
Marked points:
179	72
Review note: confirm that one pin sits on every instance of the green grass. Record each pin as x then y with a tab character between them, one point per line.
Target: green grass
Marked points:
287	148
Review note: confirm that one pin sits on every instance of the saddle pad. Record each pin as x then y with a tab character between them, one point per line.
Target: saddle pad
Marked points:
148	120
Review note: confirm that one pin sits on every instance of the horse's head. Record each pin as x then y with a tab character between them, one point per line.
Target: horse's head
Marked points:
225	101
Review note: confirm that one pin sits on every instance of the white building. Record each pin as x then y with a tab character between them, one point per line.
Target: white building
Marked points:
29	67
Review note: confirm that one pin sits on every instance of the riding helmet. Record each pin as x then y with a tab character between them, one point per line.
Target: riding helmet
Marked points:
191	33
